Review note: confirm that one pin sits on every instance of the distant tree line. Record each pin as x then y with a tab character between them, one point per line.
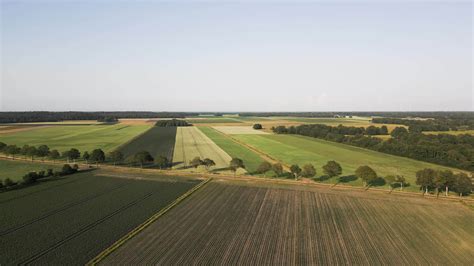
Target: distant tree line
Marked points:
445	149
25	117
324	130
172	123
438	124
446	115
107	119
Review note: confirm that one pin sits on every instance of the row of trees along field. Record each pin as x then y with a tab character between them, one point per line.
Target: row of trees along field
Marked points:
445	149
428	179
438	124
430	115
97	156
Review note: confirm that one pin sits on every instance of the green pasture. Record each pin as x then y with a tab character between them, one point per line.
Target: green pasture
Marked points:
300	150
250	158
15	170
84	138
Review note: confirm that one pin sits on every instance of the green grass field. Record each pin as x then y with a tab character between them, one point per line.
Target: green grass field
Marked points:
209	120
84	138
300	150
250	158
15	170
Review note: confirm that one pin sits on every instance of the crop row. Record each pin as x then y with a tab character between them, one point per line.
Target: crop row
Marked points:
73	222
228	225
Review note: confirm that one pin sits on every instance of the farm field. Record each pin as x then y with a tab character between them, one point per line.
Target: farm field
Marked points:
301	150
191	142
452	132
70	220
212	120
353	122
229	224
250	158
15	170
84	138
233	130
157	141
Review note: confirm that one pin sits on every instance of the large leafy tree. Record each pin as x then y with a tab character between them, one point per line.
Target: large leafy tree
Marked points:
142	158
263	168
162	161
295	170
332	169
366	173
463	184
425	178
208	163
116	156
97	156
444	180
195	162
235	164
308	170
278	169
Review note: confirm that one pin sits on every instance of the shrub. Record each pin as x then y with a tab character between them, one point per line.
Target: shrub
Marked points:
41	174
67	170
8	182
257	126
49	172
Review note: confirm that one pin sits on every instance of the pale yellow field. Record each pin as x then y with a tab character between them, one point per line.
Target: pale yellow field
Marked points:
191	142
233	130
459	132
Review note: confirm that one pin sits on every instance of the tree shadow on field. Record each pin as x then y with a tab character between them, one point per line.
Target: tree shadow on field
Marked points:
346	179
323	178
215	170
379	181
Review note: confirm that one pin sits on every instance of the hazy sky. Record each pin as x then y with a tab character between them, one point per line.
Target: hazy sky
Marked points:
267	56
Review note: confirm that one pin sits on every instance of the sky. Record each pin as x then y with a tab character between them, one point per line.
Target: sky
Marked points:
236	56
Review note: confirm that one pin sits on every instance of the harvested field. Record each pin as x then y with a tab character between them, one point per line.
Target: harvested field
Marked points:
16	129
191	142
157	141
229	224
84	138
70	220
232	130
210	120
234	149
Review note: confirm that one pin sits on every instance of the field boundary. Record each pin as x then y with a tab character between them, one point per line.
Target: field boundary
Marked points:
132	139
145	224
180	173
262	155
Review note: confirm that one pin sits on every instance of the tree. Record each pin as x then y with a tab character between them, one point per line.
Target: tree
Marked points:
142	158
235	164
72	154
395	179
263	168
308	170
257	126
43	151
8	182
366	173
54	155
24	149
278	169
31	151
295	170
86	156
195	162
12	150
444	179
425	178
162	161
463	184
208	163
67	170
97	156
2	147
1	183
116	156
332	169
399	132
383	130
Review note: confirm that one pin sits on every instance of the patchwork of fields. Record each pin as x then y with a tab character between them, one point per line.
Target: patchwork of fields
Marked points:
293	149
233	130
191	142
70	220
235	150
157	141
84	138
224	224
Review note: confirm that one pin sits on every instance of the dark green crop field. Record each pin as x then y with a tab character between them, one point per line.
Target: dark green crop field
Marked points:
157	141
70	220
